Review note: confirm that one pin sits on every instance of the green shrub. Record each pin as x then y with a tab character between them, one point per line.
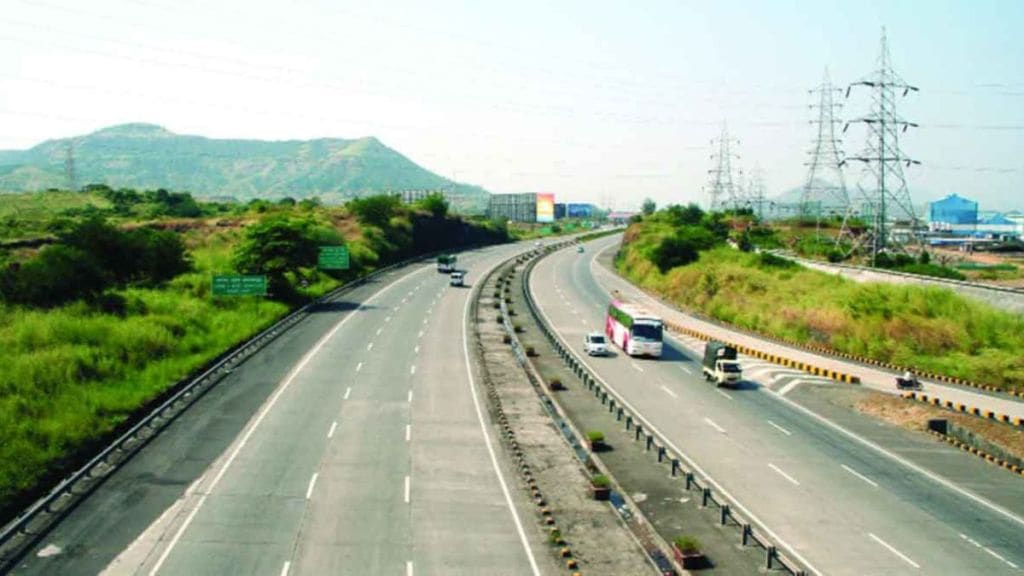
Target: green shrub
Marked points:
595	436
687	544
600	481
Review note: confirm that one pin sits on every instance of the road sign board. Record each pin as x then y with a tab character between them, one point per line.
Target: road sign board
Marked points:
333	258
237	285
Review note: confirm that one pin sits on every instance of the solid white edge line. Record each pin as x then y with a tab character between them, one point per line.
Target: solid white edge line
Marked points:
284	569
783	474
668	391
312	483
779	428
859	475
407	483
487	436
263	413
334	425
928	474
894	551
750	516
788	387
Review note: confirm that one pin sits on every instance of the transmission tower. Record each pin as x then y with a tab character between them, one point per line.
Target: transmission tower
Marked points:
825	188
882	157
69	164
721	187
755	193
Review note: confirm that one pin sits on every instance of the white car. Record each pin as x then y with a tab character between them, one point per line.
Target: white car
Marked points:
579	248
458	278
595	344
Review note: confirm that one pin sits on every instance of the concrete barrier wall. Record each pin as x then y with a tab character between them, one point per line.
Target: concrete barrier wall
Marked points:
1009	299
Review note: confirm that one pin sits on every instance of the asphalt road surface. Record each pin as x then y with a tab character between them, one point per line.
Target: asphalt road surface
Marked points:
835	501
355	444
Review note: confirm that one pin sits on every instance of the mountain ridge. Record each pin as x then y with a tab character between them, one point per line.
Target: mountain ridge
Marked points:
147	156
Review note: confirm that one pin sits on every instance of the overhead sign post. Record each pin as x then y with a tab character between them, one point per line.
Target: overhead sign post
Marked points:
333	258
238	285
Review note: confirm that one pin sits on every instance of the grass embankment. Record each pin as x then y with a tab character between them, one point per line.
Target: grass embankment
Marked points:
74	371
931	329
73	374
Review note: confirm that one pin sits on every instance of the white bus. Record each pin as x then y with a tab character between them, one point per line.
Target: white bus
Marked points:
635	330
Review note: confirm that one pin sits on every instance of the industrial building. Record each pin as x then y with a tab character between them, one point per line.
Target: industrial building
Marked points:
514	207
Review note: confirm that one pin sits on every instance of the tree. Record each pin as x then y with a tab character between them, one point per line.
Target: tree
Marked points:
276	246
674	251
691	214
59	274
375	210
649	207
435	203
286	201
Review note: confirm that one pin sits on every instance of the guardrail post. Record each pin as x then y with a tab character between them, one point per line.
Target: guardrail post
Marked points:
639	431
769	554
661	454
629	422
705	496
689	480
675	466
745	537
650	441
725	513
618	414
604	398
611	404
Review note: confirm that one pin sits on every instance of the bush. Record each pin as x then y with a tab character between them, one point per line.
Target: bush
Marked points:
600	481
375	210
687	544
556	384
517	327
499	318
531	351
506	339
595	436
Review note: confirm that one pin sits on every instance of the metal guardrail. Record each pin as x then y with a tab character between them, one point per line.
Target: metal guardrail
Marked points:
774	559
24	530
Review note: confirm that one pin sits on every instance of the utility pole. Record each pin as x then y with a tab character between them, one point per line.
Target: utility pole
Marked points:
721	187
882	156
69	165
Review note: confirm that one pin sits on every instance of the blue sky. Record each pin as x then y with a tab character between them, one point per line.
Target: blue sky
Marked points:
594	101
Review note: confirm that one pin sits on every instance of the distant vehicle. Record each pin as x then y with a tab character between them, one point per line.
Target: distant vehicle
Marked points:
635	330
579	248
536	244
908	381
595	344
720	365
458	278
446	263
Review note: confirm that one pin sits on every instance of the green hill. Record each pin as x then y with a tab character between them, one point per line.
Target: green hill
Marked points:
144	156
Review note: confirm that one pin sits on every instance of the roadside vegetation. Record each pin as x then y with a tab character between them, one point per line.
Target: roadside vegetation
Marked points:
684	255
115	307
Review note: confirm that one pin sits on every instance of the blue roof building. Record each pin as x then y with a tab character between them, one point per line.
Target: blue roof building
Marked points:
952	210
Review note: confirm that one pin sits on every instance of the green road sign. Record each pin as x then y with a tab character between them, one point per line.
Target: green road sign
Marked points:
333	258
235	285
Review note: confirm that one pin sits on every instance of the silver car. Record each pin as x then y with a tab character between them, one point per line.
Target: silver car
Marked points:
595	344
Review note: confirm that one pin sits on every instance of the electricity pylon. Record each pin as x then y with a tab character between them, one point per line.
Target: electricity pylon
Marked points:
722	188
882	156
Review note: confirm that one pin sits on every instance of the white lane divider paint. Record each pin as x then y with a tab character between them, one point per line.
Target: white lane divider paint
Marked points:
369	346
723	394
711	423
334	426
685	369
347	392
859	475
425	321
669	392
408	568
412	370
894	551
359	367
780	428
284	569
989	550
416	350
410	396
783	474
406	489
388	319
790	386
420	335
637	366
312	483
379	330
408	432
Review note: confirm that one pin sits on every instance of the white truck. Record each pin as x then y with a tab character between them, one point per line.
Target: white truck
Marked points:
720	364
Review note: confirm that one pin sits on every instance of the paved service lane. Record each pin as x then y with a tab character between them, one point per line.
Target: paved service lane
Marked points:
369	456
836	501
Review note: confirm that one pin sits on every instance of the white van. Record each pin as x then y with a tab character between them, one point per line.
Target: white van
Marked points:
458	278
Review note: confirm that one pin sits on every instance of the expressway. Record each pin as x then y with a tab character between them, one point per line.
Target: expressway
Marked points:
369	453
835	501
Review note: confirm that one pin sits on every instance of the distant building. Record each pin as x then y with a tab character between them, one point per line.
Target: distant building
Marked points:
621	217
998	226
514	207
575	210
413	196
559	211
953	209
